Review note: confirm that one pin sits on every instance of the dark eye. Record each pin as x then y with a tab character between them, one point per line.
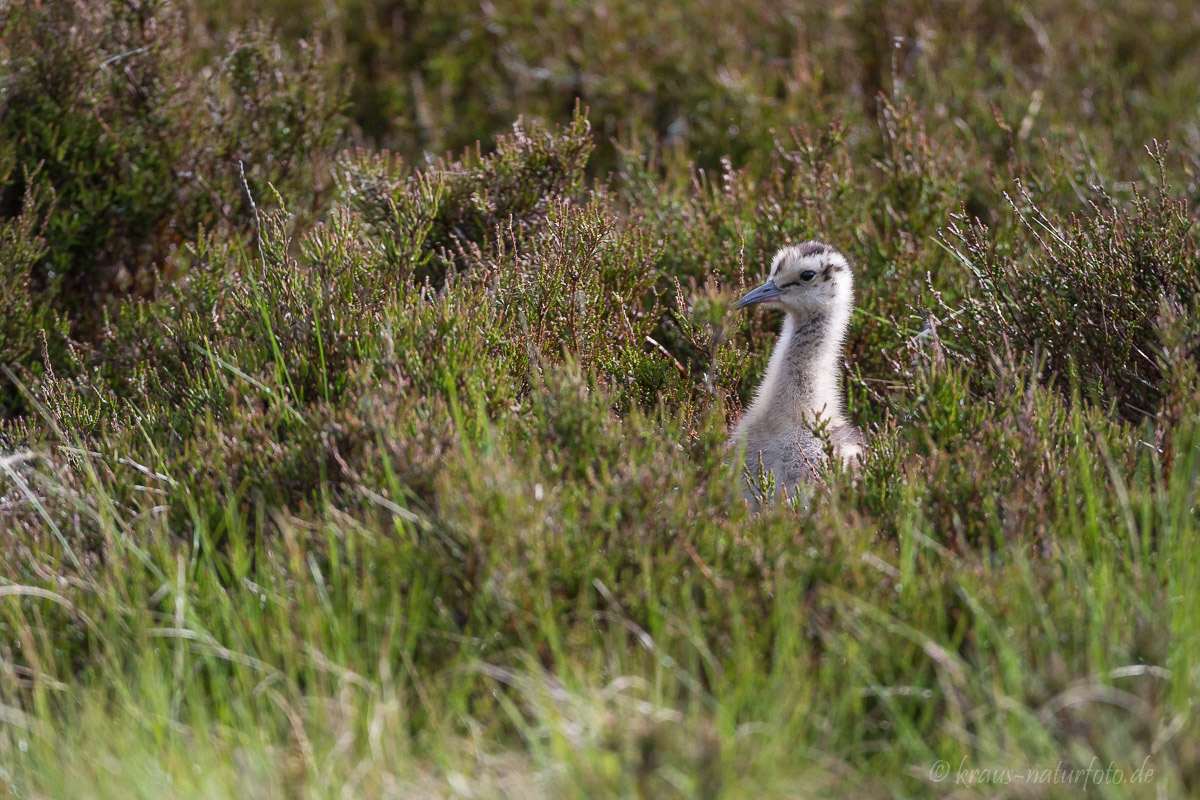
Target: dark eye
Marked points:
807	275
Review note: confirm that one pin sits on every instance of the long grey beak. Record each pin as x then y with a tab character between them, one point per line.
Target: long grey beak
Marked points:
763	294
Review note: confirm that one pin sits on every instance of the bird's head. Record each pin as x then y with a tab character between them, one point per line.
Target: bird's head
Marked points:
806	280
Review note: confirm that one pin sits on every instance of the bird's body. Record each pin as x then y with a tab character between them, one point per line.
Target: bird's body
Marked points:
800	399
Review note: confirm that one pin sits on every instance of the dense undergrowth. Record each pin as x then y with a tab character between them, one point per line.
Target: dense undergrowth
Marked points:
334	468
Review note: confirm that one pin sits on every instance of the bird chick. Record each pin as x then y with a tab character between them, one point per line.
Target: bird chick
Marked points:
801	394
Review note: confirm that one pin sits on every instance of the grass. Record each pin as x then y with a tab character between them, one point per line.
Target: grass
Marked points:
338	468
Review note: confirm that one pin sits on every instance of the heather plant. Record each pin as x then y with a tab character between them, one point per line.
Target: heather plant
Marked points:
471	200
132	146
26	313
1088	292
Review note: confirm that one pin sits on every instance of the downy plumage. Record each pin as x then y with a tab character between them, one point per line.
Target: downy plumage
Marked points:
801	394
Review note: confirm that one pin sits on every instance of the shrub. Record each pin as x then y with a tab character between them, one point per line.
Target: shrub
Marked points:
266	366
1086	291
107	115
469	200
26	312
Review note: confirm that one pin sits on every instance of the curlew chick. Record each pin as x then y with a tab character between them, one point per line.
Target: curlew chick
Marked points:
801	393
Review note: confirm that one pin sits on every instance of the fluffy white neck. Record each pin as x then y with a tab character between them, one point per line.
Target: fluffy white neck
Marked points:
803	384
